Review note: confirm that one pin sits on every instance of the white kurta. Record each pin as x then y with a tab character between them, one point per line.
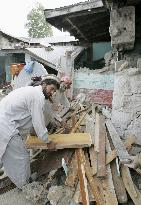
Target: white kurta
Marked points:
19	111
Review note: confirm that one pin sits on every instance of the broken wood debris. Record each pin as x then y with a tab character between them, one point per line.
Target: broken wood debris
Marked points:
95	169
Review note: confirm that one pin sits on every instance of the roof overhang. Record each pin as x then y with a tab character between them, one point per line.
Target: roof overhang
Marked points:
88	21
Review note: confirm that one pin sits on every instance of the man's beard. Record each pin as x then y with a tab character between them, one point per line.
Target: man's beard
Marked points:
47	95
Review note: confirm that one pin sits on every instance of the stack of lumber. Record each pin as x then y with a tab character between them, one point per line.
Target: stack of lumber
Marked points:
96	169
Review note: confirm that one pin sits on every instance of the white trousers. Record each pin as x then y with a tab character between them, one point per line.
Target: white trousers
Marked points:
16	161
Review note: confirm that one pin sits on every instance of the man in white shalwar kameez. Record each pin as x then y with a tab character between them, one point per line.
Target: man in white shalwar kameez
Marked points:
19	111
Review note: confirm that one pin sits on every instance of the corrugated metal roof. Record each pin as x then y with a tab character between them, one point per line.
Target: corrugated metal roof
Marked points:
53	39
25	40
51	57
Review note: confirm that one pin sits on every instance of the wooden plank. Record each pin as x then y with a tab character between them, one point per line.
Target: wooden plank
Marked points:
93	158
94	182
72	174
82	177
101	158
81	171
74	140
107	183
117	180
90	126
79	122
118	184
96	147
133	191
77	195
108	188
110	156
103	187
73	119
118	144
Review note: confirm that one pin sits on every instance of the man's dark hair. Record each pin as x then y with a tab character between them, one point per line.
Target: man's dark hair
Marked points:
51	81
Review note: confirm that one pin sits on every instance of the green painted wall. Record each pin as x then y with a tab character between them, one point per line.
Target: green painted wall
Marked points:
99	50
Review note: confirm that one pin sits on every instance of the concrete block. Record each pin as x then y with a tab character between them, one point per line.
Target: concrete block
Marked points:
122	28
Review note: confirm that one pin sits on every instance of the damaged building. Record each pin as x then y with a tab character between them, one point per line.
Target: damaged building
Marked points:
95	23
95	159
52	52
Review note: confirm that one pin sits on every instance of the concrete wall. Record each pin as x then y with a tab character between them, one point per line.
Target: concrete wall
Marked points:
122	28
97	85
126	106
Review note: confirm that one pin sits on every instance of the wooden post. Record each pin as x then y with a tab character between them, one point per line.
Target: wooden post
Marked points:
101	157
130	186
82	177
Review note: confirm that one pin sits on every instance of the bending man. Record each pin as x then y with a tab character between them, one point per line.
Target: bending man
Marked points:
19	111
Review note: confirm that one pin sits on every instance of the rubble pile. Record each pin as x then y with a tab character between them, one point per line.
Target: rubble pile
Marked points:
96	174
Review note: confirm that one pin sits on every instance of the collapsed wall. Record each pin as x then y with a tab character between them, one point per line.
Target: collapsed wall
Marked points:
126	105
97	85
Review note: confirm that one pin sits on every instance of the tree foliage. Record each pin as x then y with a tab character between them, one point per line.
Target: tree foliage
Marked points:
36	25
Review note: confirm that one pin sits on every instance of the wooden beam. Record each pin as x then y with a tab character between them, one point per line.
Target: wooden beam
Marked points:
85	13
132	190
73	119
93	159
77	29
79	122
96	144
108	188
117	142
72	175
77	195
110	156
94	182
81	170
101	157
103	187
107	183
82	177
118	184
73	8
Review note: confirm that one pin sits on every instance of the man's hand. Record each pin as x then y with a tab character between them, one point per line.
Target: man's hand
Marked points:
51	146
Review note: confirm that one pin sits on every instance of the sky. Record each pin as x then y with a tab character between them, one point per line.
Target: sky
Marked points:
13	14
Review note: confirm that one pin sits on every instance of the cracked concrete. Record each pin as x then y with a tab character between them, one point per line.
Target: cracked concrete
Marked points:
126	109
